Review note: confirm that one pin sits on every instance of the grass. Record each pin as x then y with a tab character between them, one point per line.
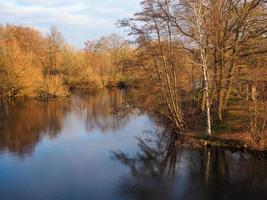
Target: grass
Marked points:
235	119
234	129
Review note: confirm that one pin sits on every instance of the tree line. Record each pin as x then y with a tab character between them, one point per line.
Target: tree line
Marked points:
186	58
41	66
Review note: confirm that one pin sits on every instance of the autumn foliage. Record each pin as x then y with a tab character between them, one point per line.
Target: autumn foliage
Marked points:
191	61
42	66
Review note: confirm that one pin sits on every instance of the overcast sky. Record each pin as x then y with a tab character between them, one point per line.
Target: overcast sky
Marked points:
78	20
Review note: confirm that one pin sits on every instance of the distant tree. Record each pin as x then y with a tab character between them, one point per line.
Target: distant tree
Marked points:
55	44
107	55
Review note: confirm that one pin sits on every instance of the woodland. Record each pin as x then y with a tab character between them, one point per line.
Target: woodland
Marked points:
199	64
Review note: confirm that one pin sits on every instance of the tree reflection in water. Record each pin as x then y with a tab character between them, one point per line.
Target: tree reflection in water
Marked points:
105	110
159	170
152	169
24	123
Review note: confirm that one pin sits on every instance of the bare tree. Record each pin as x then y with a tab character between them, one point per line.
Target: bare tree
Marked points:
156	41
199	16
234	30
55	43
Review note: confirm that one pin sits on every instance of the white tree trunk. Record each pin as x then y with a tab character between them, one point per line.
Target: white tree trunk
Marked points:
207	97
198	8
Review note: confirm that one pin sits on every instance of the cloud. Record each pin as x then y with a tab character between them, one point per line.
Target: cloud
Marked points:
65	14
78	20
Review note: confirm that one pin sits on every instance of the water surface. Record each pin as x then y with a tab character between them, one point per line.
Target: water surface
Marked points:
97	146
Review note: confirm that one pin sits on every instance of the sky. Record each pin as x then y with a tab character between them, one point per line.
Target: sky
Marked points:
77	20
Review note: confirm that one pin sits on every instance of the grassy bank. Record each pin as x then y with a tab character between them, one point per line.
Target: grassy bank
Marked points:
234	131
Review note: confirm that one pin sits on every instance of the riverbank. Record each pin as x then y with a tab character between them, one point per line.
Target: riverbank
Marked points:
235	130
238	141
44	95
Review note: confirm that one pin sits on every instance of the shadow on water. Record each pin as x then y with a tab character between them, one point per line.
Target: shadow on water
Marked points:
160	170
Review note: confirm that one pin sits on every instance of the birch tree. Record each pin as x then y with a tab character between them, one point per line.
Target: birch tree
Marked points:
199	12
235	31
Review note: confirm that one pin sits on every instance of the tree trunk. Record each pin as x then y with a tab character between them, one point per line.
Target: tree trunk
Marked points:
199	17
206	85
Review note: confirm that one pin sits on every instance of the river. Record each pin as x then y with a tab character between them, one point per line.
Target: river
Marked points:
98	146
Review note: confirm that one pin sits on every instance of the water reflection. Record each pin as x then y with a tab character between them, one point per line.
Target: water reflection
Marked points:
151	169
161	171
105	110
24	123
